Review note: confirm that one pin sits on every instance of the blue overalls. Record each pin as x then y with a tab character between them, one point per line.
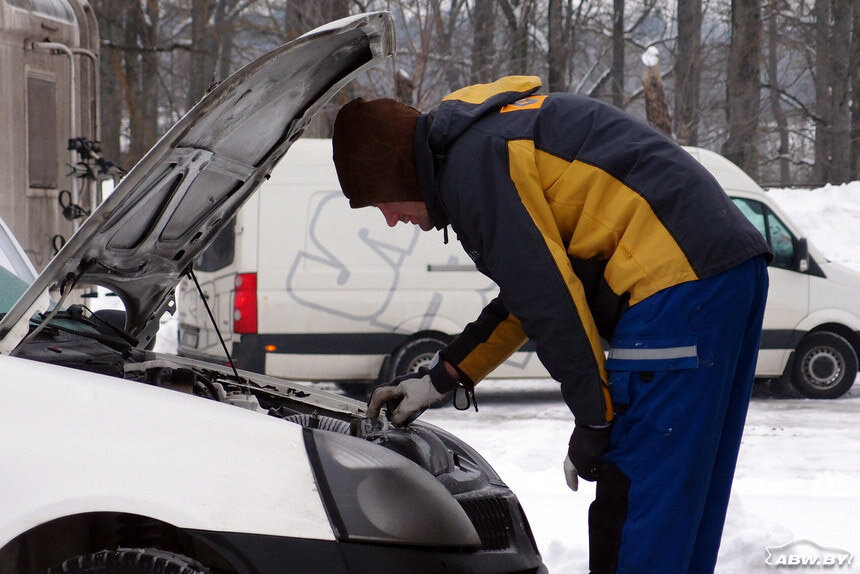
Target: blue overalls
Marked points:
681	369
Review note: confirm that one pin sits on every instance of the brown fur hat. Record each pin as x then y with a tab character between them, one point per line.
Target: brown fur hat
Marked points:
373	152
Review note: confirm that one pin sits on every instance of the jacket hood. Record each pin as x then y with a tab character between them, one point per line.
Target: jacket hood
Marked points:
462	108
173	203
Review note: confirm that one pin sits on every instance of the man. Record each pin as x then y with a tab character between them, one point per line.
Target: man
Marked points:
594	226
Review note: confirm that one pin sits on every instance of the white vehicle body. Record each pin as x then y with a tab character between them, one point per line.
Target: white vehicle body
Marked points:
73	482
808	294
344	297
337	293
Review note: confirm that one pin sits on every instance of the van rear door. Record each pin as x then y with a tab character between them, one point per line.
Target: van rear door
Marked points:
216	270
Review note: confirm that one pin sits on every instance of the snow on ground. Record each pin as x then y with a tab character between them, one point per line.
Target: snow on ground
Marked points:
798	476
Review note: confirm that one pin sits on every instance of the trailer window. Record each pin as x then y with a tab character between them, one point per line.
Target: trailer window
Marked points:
42	164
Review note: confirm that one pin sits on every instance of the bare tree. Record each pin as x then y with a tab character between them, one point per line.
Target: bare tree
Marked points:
855	92
484	23
201	71
519	16
779	115
687	71
656	108
618	39
743	85
832	21
109	13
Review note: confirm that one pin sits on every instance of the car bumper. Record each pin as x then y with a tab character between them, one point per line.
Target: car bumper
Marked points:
261	554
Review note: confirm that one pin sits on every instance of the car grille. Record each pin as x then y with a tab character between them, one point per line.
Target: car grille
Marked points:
491	518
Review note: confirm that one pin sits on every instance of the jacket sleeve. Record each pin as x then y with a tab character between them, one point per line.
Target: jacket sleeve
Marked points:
493	195
486	342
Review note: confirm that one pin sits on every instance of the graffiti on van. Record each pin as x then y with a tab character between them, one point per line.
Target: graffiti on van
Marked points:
360	285
330	272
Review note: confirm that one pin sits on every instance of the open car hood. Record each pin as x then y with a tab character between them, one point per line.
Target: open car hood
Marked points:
172	204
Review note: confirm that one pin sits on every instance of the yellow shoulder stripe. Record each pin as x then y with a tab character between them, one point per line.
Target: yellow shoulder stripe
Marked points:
524	173
479	93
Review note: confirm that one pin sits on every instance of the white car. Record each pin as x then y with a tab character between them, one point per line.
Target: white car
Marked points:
118	459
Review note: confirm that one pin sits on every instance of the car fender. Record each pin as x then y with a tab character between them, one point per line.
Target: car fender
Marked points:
84	442
829	315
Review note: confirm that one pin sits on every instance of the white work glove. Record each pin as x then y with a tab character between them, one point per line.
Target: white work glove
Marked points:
408	396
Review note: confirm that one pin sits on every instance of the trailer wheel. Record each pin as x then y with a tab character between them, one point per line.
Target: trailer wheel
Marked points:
825	366
129	561
411	356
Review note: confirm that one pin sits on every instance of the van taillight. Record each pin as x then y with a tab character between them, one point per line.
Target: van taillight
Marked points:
245	303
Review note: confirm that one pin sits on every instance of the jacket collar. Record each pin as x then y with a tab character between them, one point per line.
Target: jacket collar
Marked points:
426	164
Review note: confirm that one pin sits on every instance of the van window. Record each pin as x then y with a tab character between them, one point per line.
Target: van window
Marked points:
774	230
220	252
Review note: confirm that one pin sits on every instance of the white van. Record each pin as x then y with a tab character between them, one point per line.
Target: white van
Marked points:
336	295
345	298
811	334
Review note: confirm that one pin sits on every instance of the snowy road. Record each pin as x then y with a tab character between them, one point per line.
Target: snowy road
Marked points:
798	476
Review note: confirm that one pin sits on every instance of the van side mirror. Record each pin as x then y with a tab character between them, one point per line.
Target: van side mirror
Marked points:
801	255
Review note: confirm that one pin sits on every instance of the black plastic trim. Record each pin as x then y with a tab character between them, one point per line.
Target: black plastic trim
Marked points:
266	554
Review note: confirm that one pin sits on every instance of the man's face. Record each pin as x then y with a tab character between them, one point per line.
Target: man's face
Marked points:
414	212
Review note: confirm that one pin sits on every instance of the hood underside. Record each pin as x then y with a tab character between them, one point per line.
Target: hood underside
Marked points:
172	204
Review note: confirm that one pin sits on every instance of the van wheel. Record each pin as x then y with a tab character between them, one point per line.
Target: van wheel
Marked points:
129	561
825	366
413	355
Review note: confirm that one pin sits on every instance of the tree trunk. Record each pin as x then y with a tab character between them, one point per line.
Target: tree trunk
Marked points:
133	96
855	91
109	13
482	46
841	91
519	26
687	75
149	86
743	86
656	108
557	36
202	68
444	21
617	72
784	152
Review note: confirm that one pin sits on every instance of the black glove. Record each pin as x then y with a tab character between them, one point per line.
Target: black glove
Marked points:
407	396
584	451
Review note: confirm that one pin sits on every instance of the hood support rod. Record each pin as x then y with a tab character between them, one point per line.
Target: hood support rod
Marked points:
190	273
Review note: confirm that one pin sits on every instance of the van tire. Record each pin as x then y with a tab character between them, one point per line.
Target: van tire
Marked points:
825	366
411	356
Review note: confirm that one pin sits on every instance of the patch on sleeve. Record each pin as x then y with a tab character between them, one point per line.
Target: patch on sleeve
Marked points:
528	103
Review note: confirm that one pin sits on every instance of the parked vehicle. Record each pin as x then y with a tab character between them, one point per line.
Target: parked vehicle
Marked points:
49	116
119	459
338	296
342	297
811	333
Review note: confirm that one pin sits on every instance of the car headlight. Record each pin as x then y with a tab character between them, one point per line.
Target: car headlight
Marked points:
372	494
